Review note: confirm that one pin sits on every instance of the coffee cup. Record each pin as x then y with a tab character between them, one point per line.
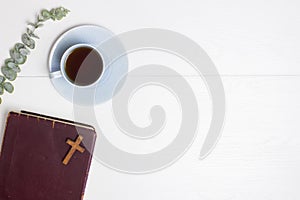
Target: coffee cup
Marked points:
81	65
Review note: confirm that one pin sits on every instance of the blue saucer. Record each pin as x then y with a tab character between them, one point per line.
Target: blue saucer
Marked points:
116	69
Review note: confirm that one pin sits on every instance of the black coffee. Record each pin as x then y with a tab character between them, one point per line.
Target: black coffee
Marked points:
84	66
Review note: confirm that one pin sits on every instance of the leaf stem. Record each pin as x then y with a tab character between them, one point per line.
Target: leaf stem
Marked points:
20	51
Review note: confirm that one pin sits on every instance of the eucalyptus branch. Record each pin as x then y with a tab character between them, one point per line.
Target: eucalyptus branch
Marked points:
20	51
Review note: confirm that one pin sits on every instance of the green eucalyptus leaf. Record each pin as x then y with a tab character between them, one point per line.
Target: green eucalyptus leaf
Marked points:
60	13
31	34
45	14
0	100
17	56
14	54
9	60
8	73
24	51
21	60
18	46
1	89
2	79
66	11
11	65
29	31
32	45
59	16
52	13
8	87
41	18
17	69
28	41
14	67
25	39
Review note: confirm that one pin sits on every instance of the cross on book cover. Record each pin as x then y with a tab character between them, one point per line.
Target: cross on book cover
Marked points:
44	158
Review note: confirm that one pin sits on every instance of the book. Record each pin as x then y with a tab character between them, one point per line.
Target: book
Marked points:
44	158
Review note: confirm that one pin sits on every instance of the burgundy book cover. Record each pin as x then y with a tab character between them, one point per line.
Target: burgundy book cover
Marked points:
44	158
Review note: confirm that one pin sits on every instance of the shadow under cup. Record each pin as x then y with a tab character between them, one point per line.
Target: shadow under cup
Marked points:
82	65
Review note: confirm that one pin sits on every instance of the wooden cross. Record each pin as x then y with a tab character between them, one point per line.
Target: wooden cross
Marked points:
75	147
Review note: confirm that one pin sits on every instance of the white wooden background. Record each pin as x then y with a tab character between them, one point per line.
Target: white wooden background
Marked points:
255	46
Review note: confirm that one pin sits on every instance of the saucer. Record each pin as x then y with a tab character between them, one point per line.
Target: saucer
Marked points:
111	51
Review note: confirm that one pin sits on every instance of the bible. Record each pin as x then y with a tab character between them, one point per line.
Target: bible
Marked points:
44	158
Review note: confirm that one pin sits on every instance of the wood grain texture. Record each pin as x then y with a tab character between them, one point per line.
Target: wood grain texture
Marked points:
255	47
256	158
242	37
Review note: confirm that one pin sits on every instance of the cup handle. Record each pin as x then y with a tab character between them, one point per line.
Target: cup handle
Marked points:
56	74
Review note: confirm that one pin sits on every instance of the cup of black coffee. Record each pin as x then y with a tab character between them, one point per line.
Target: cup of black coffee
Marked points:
81	65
